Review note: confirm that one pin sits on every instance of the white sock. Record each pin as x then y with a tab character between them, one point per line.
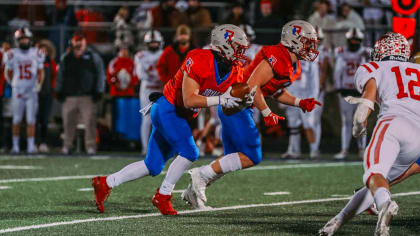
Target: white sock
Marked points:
175	171
360	202
230	162
382	195
15	142
295	142
313	146
207	172
317	134
131	172
31	142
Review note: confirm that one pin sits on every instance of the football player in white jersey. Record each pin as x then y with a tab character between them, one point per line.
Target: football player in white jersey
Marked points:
348	59
24	70
323	64
145	64
392	82
306	85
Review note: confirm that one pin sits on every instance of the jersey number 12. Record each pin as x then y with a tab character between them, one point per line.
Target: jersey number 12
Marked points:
411	83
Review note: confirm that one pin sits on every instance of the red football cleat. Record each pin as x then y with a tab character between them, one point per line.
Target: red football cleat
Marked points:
163	203
102	191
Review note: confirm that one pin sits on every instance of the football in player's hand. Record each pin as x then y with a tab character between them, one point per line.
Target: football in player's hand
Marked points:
239	90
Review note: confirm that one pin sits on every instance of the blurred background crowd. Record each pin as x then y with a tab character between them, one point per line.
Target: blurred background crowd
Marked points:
127	56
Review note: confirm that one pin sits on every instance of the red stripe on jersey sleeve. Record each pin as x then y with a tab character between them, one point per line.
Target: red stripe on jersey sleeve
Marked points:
367	68
374	65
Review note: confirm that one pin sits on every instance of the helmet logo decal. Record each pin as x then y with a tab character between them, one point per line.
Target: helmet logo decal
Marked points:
296	30
228	35
188	64
272	60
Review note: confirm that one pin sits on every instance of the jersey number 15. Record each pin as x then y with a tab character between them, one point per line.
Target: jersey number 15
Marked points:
25	71
411	83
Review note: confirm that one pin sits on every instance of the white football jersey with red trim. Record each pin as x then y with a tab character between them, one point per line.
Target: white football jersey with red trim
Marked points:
398	85
25	65
346	65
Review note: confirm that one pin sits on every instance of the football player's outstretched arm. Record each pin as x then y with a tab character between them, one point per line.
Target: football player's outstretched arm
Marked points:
192	98
366	105
261	75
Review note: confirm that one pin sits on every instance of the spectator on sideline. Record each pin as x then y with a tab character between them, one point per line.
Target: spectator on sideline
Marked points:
237	14
165	15
60	16
198	17
80	84
268	21
320	17
139	18
45	95
86	16
348	19
123	35
122	80
173	55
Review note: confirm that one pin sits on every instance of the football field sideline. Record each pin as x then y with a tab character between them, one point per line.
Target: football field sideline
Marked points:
55	224
268	167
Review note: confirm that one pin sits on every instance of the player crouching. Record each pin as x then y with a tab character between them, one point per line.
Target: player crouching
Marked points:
25	72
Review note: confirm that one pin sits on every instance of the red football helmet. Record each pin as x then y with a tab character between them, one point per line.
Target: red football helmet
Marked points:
392	45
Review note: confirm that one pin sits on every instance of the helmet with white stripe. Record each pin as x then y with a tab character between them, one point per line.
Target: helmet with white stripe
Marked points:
230	41
300	38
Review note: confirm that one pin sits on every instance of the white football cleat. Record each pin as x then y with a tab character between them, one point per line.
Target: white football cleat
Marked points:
330	227
191	198
43	148
389	210
314	154
341	155
32	150
198	184
288	154
15	150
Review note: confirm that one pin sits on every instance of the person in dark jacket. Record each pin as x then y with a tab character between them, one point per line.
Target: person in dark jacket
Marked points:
80	84
173	56
268	21
45	95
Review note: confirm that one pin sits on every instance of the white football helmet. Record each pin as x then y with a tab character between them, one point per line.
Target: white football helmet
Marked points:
300	38
392	45
153	36
23	32
355	33
249	31
230	41
124	78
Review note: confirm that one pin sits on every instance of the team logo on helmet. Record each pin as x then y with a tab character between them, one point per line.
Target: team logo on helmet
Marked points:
296	30
272	60
188	64
228	35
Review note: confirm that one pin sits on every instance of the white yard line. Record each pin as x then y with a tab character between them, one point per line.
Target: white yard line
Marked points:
178	191
268	167
40	226
85	189
5	187
16	167
276	193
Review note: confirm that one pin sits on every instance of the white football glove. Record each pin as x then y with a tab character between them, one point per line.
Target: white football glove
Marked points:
361	114
226	100
249	98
